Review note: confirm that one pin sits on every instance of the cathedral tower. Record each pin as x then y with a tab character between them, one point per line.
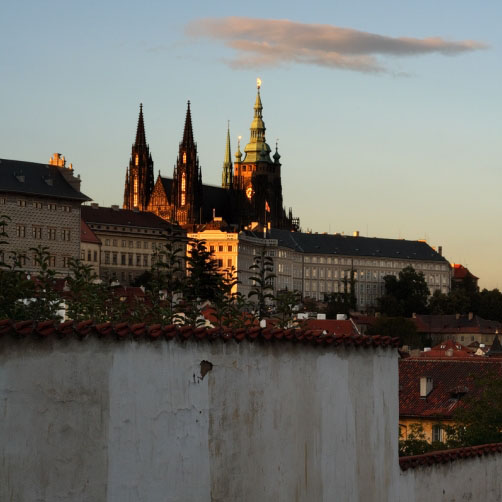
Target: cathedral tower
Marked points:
187	179
139	176
258	176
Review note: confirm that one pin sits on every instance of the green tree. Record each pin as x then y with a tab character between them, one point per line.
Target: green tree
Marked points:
399	327
479	418
87	296
404	295
490	304
46	301
263	282
285	303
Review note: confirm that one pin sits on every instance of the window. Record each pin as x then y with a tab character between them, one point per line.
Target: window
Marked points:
36	232
52	261
21	231
220	248
65	234
107	257
138	260
82	255
138	244
124	244
145	245
37	205
51	207
66	209
95	256
129	261
145	260
123	259
114	242
21	203
131	244
229	249
220	263
437	433
211	248
229	262
89	255
2	201
114	258
52	233
66	261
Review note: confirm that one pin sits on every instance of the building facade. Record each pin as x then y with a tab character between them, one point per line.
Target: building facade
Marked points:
319	264
41	203
129	239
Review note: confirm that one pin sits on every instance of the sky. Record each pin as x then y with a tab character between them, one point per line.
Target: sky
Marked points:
387	114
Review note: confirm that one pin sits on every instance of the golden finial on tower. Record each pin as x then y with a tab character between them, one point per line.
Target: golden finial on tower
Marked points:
258	83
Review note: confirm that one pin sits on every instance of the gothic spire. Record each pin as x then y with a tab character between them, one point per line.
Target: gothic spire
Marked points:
226	181
188	132
140	132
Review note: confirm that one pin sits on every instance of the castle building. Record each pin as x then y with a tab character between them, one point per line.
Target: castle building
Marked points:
251	190
40	206
139	175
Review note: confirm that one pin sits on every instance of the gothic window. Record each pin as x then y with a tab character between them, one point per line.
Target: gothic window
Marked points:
184	158
136	160
135	192
183	187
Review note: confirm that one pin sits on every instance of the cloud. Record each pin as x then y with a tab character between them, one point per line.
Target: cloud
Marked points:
268	42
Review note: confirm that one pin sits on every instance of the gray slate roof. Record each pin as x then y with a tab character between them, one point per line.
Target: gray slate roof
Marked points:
39	179
123	217
345	245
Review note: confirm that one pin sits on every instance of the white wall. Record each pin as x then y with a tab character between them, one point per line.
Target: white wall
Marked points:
474	479
134	421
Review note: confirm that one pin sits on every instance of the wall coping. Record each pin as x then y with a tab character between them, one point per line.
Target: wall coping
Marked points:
444	456
124	330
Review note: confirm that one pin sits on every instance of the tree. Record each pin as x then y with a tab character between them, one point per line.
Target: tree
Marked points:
263	282
405	295
86	296
479	419
285	303
399	327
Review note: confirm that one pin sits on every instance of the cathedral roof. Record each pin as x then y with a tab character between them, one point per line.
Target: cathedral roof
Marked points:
140	132
123	217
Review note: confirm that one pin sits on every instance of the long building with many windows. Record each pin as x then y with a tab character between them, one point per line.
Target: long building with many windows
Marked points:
320	264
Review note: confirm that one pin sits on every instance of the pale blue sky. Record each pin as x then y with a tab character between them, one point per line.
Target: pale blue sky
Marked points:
413	156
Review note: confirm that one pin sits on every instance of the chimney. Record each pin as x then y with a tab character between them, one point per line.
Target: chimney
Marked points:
356	233
425	386
440	250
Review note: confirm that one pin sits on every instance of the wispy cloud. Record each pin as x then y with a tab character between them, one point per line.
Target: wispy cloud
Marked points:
267	42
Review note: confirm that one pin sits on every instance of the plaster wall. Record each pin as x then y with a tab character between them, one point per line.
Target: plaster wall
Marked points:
474	479
126	421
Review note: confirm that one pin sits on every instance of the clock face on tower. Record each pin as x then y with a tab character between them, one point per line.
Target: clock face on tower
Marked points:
249	192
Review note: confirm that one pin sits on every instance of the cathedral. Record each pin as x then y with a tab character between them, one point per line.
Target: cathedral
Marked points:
250	192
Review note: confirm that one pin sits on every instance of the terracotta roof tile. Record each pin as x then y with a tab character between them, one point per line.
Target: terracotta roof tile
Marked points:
124	330
444	456
450	379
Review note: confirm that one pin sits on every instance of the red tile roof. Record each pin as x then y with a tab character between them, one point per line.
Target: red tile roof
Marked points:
155	331
453	324
87	235
451	378
460	272
444	456
447	349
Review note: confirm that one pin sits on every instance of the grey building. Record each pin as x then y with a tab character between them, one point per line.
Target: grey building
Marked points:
40	206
